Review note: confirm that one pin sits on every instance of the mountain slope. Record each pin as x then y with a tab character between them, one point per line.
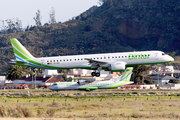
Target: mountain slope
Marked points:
116	26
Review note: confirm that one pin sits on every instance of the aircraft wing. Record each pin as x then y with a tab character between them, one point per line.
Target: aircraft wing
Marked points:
95	63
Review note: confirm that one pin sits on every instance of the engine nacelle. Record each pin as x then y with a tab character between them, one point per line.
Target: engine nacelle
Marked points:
119	66
82	82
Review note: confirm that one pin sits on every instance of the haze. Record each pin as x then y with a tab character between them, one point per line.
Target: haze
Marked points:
25	10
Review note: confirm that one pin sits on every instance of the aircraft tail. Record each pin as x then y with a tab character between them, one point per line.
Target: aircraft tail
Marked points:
121	80
20	52
126	75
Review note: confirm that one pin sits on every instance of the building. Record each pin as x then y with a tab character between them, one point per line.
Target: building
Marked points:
41	81
163	80
4	80
87	73
50	72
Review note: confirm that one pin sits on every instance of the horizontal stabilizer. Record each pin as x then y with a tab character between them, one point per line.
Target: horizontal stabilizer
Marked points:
128	83
13	61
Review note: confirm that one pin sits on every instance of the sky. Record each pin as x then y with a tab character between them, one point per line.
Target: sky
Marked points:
25	10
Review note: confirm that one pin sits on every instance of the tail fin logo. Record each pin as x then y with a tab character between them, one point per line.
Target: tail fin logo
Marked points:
20	51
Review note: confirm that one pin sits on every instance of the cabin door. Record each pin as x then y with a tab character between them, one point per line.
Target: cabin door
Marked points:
43	63
156	56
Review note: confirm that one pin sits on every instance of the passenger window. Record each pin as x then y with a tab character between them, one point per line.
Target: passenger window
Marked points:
112	57
104	57
119	56
64	60
57	60
108	57
47	61
122	56
97	58
50	60
54	60
101	57
75	59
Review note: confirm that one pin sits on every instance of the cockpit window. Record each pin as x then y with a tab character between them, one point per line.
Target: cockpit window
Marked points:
164	54
54	83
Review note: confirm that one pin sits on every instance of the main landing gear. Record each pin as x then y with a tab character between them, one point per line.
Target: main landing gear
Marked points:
97	74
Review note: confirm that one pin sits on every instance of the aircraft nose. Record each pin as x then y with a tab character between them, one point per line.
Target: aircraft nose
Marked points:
170	58
50	87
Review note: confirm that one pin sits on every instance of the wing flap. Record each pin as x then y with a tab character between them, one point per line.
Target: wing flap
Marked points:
95	63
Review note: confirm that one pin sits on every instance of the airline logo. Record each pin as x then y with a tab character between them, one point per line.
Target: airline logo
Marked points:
138	56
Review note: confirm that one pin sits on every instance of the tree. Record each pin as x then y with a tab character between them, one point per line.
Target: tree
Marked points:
52	16
65	72
148	80
38	18
139	73
102	2
14	72
30	70
14	25
69	79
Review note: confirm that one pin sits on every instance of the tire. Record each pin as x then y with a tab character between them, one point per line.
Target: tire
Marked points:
97	74
93	73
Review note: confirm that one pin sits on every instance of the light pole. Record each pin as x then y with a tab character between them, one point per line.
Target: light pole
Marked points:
35	78
32	80
158	80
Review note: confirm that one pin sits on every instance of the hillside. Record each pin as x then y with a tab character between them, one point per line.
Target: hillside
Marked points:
116	26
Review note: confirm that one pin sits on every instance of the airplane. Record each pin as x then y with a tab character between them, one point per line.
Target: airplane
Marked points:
107	61
88	85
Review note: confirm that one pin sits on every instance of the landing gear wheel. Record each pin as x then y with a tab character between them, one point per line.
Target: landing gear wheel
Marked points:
93	73
97	74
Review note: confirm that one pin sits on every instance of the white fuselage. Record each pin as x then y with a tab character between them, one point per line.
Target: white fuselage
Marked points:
129	58
76	86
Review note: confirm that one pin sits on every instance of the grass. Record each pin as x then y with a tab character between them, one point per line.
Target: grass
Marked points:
110	104
114	107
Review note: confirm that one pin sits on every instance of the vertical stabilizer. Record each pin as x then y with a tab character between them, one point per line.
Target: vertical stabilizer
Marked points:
126	75
20	52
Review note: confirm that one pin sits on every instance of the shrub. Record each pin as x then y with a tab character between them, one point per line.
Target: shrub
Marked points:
23	112
39	113
2	111
55	104
50	112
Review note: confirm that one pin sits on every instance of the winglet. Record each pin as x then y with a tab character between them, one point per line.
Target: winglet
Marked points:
21	53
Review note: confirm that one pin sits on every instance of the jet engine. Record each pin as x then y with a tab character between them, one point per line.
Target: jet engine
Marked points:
119	66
